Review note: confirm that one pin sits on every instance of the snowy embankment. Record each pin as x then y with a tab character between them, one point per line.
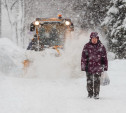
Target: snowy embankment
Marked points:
50	85
11	57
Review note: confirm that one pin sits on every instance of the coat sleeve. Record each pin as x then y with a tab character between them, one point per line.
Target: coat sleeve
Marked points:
84	59
104	59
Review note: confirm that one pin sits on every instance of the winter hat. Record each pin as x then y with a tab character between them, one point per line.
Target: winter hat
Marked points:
94	34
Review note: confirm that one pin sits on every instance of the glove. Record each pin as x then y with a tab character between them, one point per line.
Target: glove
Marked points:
104	68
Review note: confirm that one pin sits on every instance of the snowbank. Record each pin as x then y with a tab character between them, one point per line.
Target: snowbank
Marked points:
11	57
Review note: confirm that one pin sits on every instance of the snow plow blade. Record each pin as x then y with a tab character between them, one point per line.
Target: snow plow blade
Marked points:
26	64
56	48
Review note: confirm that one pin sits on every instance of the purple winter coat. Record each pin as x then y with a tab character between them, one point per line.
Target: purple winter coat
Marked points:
94	58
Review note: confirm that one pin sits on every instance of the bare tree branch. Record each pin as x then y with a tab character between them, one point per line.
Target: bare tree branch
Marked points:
13	4
6	6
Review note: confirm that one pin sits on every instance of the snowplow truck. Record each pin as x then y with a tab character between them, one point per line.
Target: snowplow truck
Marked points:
50	32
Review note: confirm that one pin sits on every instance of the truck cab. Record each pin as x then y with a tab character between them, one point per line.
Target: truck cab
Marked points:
50	32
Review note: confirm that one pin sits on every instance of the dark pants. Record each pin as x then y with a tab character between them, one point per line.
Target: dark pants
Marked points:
93	84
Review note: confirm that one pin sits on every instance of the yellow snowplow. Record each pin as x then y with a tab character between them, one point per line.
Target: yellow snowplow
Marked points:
49	33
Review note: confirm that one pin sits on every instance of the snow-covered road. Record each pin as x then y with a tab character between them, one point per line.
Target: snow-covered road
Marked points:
38	95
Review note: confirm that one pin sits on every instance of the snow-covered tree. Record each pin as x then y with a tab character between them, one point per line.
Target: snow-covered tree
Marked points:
15	10
90	12
115	27
80	7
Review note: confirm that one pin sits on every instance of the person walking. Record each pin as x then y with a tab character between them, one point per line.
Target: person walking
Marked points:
94	62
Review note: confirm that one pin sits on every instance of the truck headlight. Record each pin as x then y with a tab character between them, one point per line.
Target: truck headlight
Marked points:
36	22
67	23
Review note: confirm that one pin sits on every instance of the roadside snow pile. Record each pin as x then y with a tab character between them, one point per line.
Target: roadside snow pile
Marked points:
11	57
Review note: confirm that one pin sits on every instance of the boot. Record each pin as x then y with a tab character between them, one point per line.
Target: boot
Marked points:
96	96
90	95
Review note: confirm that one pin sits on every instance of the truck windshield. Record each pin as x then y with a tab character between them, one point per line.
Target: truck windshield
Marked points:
52	34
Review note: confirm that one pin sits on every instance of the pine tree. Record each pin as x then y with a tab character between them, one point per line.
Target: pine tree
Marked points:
91	12
115	27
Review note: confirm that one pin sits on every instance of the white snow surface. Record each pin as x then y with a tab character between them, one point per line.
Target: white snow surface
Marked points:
11	57
113	10
56	84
